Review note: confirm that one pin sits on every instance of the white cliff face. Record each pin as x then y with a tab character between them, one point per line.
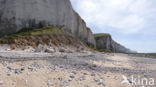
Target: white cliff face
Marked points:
106	42
18	14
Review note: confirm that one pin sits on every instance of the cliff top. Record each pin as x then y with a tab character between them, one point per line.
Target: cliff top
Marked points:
101	35
28	32
49	36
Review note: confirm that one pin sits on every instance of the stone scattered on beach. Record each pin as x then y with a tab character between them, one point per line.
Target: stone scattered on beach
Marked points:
0	73
49	83
1	82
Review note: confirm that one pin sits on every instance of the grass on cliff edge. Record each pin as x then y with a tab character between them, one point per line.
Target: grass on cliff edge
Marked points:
101	34
28	32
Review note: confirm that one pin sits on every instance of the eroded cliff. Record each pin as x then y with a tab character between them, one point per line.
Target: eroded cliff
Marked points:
18	14
105	42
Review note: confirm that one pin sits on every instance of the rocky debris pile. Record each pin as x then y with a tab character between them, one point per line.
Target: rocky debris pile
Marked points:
46	49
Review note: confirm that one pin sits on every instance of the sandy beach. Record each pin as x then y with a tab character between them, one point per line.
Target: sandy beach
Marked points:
18	69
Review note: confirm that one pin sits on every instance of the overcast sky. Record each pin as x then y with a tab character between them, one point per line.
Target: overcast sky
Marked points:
130	22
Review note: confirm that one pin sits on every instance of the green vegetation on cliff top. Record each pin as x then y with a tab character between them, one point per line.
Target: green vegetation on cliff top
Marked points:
101	35
33	32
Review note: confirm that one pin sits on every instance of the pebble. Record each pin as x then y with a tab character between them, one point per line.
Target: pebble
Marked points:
9	68
92	74
60	79
70	79
86	86
82	78
28	73
8	73
49	83
72	75
95	80
31	69
26	81
64	83
49	50
99	82
74	72
1	82
17	71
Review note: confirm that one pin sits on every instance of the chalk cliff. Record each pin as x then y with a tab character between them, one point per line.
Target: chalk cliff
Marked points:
18	14
31	14
105	41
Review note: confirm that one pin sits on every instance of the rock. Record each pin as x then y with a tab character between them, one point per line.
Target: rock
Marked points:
28	49
62	50
92	74
41	48
60	79
71	76
8	73
26	81
93	67
61	66
64	84
31	68
74	72
86	86
82	78
70	79
95	80
1	82
5	47
16	15
28	73
50	50
85	73
49	83
9	68
22	69
18	71
45	48
100	82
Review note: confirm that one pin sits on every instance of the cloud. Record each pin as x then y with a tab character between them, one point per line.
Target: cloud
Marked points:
130	22
124	16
